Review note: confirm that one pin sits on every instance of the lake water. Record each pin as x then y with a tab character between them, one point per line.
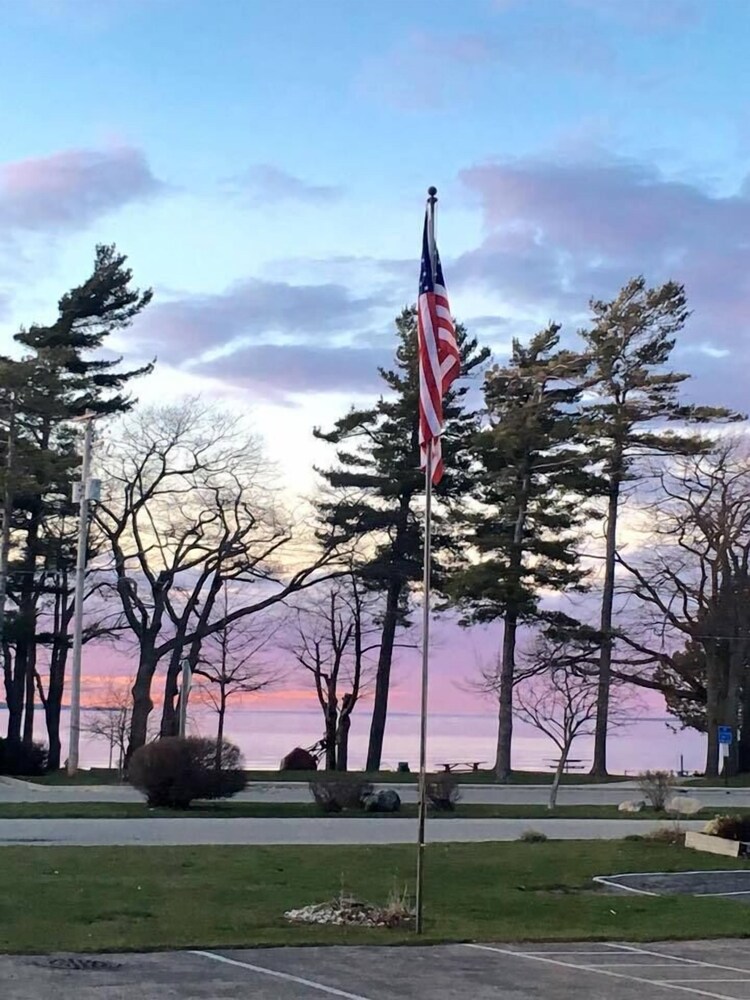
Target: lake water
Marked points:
265	736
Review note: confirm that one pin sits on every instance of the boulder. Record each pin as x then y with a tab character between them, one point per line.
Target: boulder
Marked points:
631	806
386	801
299	760
684	805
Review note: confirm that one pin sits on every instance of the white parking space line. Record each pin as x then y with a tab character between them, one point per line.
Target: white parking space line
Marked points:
628	965
320	987
548	951
688	961
654	984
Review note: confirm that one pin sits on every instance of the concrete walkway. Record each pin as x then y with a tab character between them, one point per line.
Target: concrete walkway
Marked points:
13	790
126	832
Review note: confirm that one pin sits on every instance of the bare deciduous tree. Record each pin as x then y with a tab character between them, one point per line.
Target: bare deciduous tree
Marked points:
692	585
110	720
187	505
231	663
556	693
332	644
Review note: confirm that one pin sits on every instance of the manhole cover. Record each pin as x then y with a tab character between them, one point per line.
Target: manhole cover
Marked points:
79	964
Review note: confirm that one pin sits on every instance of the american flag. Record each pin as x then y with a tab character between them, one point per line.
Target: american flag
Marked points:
439	360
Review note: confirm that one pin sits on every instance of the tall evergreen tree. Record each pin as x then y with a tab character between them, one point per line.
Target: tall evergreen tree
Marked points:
533	474
375	492
64	379
632	396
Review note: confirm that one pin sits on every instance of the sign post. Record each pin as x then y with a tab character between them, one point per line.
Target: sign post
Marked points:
726	735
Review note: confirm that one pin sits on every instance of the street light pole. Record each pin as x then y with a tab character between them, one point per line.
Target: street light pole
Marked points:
83	534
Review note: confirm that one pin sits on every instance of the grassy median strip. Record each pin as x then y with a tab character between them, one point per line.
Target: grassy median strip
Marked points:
305	810
102	899
105	776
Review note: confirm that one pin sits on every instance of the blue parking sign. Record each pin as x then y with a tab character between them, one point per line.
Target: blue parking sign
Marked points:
725	734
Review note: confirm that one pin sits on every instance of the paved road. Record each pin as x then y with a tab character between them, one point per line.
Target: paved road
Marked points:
12	790
663	971
339	830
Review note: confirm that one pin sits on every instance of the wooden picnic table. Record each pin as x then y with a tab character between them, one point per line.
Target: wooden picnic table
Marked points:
571	764
468	765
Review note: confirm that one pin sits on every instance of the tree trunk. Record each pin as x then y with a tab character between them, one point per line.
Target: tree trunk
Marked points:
743	756
342	740
142	704
503	762
53	701
14	690
383	677
220	727
28	719
331	721
52	719
170	722
552	804
599	766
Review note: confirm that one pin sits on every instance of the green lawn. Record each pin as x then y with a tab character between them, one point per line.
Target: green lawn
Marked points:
103	776
89	899
302	810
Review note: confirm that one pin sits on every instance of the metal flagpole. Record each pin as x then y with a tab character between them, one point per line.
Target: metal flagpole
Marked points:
426	589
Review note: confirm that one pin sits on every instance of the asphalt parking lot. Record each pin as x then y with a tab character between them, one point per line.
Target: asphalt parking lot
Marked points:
718	969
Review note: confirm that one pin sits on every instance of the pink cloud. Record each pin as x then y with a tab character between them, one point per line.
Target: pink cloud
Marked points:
70	189
559	232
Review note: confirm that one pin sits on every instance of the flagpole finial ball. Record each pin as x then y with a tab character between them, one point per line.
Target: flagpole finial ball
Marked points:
432	191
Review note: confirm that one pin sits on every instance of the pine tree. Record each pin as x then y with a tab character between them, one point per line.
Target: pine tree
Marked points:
533	463
61	380
375	493
633	394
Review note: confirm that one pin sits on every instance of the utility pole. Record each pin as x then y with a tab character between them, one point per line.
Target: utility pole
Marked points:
7	505
88	491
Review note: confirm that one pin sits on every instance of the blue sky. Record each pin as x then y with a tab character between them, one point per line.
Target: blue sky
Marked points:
264	163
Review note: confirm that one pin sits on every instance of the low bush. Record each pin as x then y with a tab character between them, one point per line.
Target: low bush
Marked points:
730	827
173	772
342	792
533	837
673	835
443	792
20	760
656	787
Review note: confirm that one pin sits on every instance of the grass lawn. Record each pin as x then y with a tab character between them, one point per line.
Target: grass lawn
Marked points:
103	776
305	810
97	898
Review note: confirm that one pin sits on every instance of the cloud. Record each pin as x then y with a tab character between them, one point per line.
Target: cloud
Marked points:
646	16
67	191
255	309
278	337
276	370
404	75
558	233
272	185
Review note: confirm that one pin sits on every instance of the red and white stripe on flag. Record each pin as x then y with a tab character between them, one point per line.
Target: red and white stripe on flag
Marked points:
439	358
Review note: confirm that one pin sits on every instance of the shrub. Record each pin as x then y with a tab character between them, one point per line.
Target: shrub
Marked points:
172	772
673	835
298	760
343	792
730	827
533	837
657	787
443	792
22	761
